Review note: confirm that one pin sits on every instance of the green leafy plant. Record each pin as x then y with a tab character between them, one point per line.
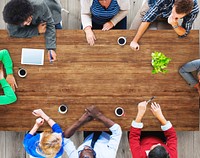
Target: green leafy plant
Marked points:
159	62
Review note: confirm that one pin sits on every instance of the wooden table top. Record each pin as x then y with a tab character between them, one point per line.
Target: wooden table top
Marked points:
106	75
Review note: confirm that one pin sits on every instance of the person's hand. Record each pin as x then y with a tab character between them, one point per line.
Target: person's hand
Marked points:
134	45
11	81
39	122
172	21
107	26
42	27
51	57
1	71
93	111
86	117
38	113
90	36
156	110
142	106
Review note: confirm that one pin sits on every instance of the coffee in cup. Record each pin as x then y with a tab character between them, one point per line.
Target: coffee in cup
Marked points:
22	72
119	111
62	109
121	41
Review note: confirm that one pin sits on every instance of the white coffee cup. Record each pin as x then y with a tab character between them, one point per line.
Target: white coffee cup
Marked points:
22	72
121	41
119	111
62	109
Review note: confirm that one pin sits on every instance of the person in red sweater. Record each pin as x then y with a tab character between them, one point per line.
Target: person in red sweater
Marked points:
151	146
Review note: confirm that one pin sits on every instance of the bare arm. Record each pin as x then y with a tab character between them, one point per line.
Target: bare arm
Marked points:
143	27
178	29
156	110
40	113
95	113
80	122
39	122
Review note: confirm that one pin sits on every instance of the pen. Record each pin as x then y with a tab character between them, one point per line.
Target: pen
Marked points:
150	99
51	57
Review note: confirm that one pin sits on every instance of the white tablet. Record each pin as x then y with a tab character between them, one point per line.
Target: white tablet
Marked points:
32	56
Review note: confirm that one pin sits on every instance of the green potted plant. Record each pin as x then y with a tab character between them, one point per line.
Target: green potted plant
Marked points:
159	62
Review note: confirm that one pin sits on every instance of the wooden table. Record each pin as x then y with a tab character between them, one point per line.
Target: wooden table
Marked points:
106	75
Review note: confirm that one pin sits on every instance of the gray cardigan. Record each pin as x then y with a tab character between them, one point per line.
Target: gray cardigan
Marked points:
48	11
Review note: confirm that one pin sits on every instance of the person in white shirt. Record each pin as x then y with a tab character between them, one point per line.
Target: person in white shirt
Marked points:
105	146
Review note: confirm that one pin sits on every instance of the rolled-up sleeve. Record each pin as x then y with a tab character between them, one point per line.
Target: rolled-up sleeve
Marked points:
124	7
86	19
115	137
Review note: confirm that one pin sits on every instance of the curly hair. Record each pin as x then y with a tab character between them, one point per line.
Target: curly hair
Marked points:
158	152
50	144
183	6
17	11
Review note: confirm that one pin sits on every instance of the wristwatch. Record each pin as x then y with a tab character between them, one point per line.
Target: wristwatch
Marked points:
175	26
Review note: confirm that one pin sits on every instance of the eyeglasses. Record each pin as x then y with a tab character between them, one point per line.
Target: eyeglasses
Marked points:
87	148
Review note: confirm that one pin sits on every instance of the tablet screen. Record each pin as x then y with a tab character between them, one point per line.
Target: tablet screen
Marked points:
32	56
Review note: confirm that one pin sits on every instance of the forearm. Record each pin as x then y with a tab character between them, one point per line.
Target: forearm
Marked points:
86	20
179	30
72	129
138	118
117	18
162	120
34	129
48	119
23	32
143	27
9	95
6	60
106	121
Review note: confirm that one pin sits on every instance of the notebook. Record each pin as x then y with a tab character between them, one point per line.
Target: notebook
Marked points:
32	56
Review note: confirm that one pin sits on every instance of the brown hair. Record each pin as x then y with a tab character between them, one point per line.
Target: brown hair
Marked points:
50	144
183	6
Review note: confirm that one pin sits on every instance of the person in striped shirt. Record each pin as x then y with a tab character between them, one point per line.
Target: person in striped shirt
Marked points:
103	14
171	10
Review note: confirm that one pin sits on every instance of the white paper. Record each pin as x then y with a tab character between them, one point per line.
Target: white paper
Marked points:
32	56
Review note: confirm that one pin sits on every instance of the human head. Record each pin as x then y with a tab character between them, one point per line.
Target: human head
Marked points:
16	12
50	144
183	6
87	152
158	152
103	2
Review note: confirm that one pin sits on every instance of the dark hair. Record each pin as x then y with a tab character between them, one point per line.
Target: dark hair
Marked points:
183	6
17	11
158	152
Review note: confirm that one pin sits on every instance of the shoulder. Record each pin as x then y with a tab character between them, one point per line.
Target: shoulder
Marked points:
38	4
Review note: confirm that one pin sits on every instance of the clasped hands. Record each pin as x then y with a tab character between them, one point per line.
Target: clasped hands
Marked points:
91	113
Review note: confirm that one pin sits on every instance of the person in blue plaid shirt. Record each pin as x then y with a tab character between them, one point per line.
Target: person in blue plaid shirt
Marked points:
171	10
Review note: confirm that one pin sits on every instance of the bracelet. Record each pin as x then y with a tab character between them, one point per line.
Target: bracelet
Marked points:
48	119
175	26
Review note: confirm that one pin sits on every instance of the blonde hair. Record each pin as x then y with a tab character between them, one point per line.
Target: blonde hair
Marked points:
50	144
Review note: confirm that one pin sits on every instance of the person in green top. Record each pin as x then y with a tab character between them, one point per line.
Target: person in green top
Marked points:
9	83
